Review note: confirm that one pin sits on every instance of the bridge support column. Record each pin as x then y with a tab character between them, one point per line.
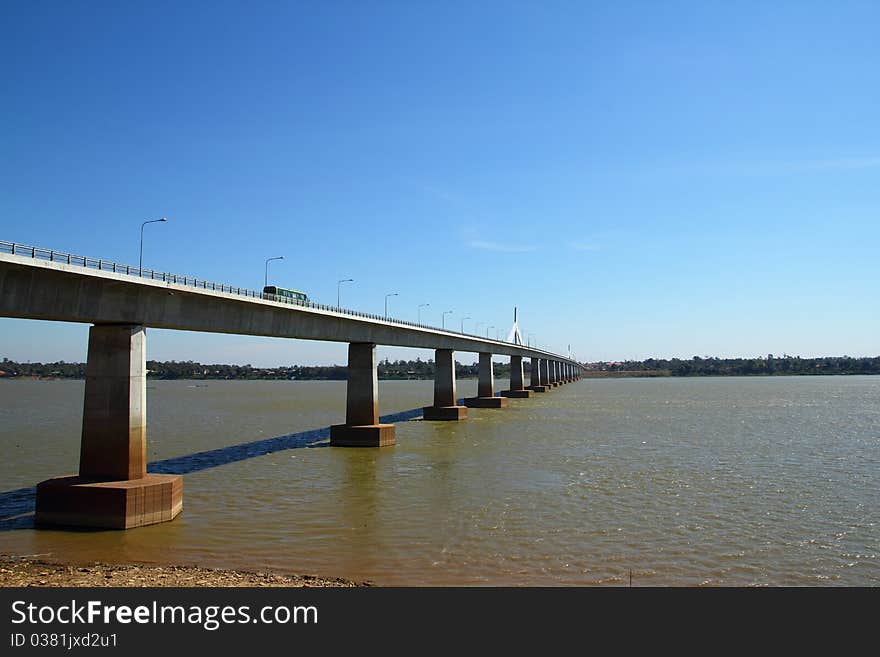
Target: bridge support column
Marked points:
545	374
517	389
486	387
444	407
113	489
536	382
362	428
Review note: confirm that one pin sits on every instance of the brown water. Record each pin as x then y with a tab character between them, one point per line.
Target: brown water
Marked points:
682	481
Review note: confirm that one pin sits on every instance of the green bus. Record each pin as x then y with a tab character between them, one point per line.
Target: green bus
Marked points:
295	295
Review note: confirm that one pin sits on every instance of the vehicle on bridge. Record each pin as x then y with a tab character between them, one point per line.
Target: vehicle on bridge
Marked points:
285	293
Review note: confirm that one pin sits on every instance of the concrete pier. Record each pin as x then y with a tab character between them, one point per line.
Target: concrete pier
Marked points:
537	379
362	428
517	388
444	407
113	489
486	386
545	374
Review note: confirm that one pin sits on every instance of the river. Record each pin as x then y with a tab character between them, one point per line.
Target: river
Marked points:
672	481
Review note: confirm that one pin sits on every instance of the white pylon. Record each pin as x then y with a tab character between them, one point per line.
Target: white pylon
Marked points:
514	335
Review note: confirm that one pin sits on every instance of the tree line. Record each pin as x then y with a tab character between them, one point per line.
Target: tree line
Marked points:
424	369
387	369
769	366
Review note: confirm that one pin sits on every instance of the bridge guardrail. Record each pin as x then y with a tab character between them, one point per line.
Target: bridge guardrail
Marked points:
51	255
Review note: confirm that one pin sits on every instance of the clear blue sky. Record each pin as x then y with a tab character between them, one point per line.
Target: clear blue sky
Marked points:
640	178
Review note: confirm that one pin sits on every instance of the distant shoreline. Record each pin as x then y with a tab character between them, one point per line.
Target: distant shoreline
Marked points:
418	369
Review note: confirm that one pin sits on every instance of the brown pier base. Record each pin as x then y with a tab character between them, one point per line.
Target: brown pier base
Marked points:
517	394
539	388
486	402
363	435
445	412
82	502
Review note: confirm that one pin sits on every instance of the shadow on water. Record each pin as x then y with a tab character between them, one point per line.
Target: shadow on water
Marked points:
17	506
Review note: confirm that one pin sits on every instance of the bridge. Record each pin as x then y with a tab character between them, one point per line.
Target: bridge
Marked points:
113	488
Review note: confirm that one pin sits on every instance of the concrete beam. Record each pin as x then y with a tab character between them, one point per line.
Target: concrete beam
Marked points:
38	289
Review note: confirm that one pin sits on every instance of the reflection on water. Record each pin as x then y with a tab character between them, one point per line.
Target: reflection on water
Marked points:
683	481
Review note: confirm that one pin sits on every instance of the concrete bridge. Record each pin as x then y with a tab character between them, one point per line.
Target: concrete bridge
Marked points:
113	488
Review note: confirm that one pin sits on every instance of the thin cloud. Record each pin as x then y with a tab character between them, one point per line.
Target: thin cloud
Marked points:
839	163
584	246
498	246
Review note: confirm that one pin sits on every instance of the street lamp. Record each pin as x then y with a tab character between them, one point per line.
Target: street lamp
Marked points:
339	290
487	330
445	312
462	323
530	339
393	294
422	305
268	260
141	256
498	334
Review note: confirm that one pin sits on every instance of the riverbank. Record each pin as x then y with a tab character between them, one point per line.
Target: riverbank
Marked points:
24	572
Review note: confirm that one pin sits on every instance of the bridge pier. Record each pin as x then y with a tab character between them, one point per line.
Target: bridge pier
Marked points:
486	387
545	374
362	428
535	382
113	489
517	389
444	407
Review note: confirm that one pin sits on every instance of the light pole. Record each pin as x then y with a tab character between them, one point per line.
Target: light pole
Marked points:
530	339
393	294
421	305
462	323
339	290
487	330
141	256
268	260
443	321
498	334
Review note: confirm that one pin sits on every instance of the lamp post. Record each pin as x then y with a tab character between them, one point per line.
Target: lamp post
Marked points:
141	252
266	280
530	339
487	330
462	323
443	321
393	294
421	305
339	290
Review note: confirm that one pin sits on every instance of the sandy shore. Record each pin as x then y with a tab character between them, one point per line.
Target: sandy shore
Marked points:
23	571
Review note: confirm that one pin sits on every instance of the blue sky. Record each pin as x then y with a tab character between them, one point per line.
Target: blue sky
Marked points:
640	179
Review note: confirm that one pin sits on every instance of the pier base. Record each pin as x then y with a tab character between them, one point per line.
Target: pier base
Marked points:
539	388
444	413
81	502
363	435
486	402
516	394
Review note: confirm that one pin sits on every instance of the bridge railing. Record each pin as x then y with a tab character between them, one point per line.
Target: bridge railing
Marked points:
128	270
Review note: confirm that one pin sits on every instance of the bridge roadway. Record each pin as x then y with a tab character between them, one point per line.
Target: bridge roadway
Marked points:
113	488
